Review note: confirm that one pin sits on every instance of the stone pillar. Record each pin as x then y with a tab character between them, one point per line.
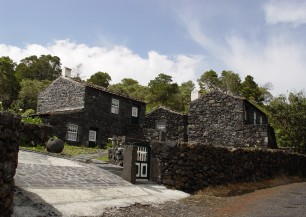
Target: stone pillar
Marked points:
129	163
9	137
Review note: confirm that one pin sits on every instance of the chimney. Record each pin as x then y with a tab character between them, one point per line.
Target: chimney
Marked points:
66	72
195	94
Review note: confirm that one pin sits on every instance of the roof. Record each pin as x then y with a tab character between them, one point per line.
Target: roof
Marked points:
103	89
165	108
63	111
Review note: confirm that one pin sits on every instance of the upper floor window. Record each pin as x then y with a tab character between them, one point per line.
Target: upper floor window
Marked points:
72	133
134	111
115	106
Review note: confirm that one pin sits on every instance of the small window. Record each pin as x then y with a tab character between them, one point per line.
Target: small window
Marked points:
92	135
160	125
134	111
255	118
72	133
115	106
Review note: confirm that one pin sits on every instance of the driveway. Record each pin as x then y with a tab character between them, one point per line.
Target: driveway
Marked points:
51	186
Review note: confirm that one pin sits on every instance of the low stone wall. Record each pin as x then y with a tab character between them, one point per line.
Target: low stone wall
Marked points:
33	134
9	137
193	166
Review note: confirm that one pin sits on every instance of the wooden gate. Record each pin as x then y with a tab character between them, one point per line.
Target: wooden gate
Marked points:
143	161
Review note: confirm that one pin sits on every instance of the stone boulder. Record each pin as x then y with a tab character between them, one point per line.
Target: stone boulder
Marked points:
55	145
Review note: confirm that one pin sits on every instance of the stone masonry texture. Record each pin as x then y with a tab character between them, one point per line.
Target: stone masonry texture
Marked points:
175	125
192	166
67	102
221	119
9	137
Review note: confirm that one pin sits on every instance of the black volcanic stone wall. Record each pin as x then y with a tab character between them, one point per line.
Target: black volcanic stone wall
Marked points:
193	166
9	137
176	125
218	119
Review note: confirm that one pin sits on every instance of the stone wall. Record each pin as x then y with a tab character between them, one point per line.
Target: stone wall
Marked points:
193	166
175	125
62	94
9	136
221	119
33	134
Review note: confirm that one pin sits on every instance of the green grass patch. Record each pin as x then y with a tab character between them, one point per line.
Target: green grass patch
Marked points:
103	158
69	151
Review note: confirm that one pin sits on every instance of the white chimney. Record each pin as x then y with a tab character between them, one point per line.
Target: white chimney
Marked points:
195	94
66	72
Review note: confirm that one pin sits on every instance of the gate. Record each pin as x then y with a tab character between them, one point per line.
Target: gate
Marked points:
143	160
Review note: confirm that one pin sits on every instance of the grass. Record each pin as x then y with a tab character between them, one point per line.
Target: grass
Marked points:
103	158
69	151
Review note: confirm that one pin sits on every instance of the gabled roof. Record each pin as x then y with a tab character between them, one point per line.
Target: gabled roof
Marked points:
102	89
166	109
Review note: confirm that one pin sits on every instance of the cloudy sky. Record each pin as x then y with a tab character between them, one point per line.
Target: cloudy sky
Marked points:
183	38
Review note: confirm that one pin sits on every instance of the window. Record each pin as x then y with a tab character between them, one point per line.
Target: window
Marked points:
115	106
255	118
134	111
161	125
72	133
92	135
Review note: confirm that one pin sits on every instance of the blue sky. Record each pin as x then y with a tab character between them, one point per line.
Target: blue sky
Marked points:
142	38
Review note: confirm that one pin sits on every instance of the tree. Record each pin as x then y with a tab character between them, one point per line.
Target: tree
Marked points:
100	78
288	117
27	97
184	96
46	67
230	82
163	91
250	89
9	86
130	87
209	81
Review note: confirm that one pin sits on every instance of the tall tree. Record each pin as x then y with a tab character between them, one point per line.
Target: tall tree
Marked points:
130	87
27	97
209	81
288	117
100	78
184	96
163	91
9	86
250	89
46	67
230	82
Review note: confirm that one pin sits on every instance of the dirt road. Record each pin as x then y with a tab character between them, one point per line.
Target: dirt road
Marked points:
281	201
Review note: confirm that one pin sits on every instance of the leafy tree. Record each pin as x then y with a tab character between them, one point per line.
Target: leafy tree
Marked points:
250	89
9	86
184	96
288	117
230	82
209	81
27	97
46	67
163	91
130	87
100	78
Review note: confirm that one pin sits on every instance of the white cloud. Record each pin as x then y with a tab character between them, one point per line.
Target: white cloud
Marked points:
279	60
119	61
291	12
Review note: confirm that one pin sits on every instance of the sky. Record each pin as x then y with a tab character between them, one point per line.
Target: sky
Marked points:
140	39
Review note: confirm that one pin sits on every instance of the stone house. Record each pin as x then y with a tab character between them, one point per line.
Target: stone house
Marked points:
221	119
165	124
84	114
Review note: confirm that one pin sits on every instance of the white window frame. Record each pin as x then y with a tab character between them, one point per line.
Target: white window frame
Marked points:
161	125
134	111
72	132
115	106
92	136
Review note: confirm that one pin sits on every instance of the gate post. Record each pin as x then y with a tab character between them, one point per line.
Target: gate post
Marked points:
129	161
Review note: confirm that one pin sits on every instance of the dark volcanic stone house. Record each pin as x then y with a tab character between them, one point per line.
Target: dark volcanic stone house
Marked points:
163	122
84	114
221	119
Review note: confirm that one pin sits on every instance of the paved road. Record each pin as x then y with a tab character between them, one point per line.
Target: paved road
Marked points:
51	186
